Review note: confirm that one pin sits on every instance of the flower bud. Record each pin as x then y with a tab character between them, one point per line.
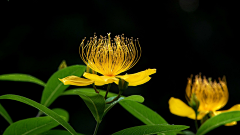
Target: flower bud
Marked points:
194	102
62	65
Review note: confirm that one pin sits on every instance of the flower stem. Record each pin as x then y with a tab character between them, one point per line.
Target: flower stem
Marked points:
96	128
95	88
116	98
108	88
196	124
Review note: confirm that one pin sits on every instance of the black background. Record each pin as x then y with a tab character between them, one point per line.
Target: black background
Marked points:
178	38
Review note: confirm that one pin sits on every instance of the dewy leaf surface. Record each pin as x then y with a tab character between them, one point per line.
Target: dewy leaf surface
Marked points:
21	78
54	87
5	115
142	112
217	121
95	102
32	126
42	108
151	129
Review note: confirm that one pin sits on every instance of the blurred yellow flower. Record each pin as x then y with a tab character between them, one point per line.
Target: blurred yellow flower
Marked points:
112	58
211	95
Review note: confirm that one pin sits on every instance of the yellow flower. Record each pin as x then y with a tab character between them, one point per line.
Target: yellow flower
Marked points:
112	58
211	95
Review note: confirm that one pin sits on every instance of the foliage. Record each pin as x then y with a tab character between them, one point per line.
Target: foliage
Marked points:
96	102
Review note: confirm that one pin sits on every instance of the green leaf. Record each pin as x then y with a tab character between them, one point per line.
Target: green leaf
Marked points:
89	90
217	121
21	78
54	87
42	108
63	113
136	98
32	126
5	115
151	129
143	113
187	132
95	102
57	132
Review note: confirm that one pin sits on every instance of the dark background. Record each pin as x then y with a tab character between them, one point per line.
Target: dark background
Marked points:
178	38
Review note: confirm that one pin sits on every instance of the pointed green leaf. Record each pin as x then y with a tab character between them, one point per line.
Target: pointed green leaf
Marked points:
32	126
136	98
142	112
88	90
5	115
57	132
217	121
54	87
151	129
42	108
95	102
21	78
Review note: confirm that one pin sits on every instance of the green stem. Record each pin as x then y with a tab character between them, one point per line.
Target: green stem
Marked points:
95	88
108	88
116	98
196	125
96	128
39	114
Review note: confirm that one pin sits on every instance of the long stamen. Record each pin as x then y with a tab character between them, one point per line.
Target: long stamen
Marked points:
212	95
110	57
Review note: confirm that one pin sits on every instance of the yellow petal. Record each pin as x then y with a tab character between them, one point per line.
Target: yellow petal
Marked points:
137	83
74	80
99	83
140	77
234	108
100	80
179	108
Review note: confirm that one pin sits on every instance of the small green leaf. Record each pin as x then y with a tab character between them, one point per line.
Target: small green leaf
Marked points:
54	87
5	115
42	108
95	102
57	132
151	129
32	126
217	121
62	65
142	112
21	78
136	98
88	90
